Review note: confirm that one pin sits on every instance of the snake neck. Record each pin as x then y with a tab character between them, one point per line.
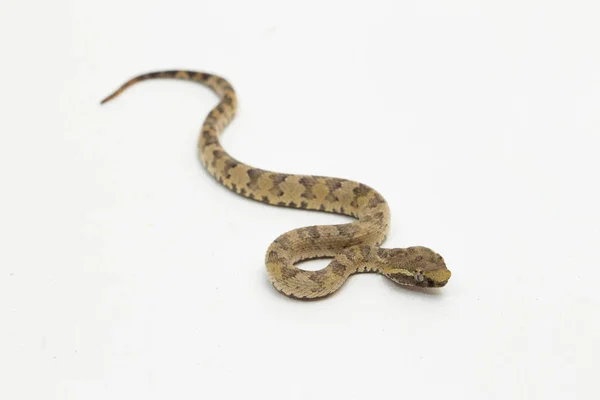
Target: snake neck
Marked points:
369	258
365	258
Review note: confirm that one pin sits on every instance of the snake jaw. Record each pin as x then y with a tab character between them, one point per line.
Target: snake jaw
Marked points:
434	278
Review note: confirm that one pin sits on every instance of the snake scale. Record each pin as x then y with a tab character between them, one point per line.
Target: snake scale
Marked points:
354	247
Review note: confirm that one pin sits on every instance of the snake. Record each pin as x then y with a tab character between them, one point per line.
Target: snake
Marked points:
353	247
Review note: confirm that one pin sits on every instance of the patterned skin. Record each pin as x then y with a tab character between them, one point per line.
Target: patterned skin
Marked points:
354	247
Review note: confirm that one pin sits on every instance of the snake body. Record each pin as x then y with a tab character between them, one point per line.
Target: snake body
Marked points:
354	247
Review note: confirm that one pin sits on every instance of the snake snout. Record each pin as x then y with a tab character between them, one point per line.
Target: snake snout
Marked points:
438	277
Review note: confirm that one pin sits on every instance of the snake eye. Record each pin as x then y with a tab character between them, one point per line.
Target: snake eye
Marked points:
419	277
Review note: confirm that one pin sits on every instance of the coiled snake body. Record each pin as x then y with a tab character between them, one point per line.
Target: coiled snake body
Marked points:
353	246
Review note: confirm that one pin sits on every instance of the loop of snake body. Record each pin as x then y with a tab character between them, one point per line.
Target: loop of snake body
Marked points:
354	247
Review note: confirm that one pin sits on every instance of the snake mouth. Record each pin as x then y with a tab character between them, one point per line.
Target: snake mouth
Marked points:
428	279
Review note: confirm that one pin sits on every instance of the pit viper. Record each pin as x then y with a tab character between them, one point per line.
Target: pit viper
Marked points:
354	247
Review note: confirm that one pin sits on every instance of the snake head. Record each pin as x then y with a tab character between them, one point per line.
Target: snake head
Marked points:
415	266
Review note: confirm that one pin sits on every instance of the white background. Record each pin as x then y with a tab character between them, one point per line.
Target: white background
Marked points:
126	272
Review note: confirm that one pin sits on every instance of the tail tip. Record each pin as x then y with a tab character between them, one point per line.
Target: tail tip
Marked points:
108	98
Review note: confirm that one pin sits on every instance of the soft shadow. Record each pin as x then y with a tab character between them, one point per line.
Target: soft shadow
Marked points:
434	293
